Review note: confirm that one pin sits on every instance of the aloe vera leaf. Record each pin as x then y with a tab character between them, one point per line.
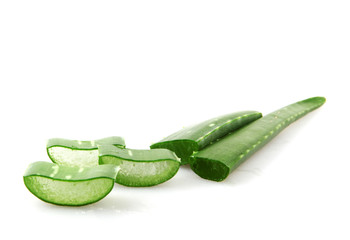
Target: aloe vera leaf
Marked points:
194	138
217	161
73	186
140	168
78	153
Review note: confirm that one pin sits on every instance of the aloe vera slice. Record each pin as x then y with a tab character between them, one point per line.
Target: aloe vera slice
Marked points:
78	153
73	186
194	138
140	168
216	161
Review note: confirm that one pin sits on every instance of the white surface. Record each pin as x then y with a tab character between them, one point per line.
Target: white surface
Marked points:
142	70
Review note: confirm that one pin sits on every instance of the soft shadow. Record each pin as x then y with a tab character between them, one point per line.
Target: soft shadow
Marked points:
184	180
242	175
115	203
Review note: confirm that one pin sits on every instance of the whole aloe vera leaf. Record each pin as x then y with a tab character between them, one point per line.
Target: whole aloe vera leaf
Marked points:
217	161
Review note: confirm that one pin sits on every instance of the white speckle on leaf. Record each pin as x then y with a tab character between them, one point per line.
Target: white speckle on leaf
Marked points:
55	170
117	169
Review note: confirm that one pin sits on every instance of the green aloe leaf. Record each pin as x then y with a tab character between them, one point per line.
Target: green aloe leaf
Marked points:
140	168
78	153
217	161
72	186
191	139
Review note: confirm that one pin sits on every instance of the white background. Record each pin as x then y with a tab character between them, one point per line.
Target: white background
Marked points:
144	69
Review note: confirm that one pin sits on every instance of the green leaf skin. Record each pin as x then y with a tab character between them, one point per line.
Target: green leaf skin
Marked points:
70	186
76	153
140	168
218	160
194	138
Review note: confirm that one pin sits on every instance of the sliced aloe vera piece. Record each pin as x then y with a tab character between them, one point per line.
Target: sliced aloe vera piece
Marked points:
194	138
78	153
140	168
73	186
216	161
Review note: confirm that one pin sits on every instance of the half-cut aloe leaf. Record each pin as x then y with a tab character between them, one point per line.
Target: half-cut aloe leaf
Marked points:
140	168
78	153
73	186
192	139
